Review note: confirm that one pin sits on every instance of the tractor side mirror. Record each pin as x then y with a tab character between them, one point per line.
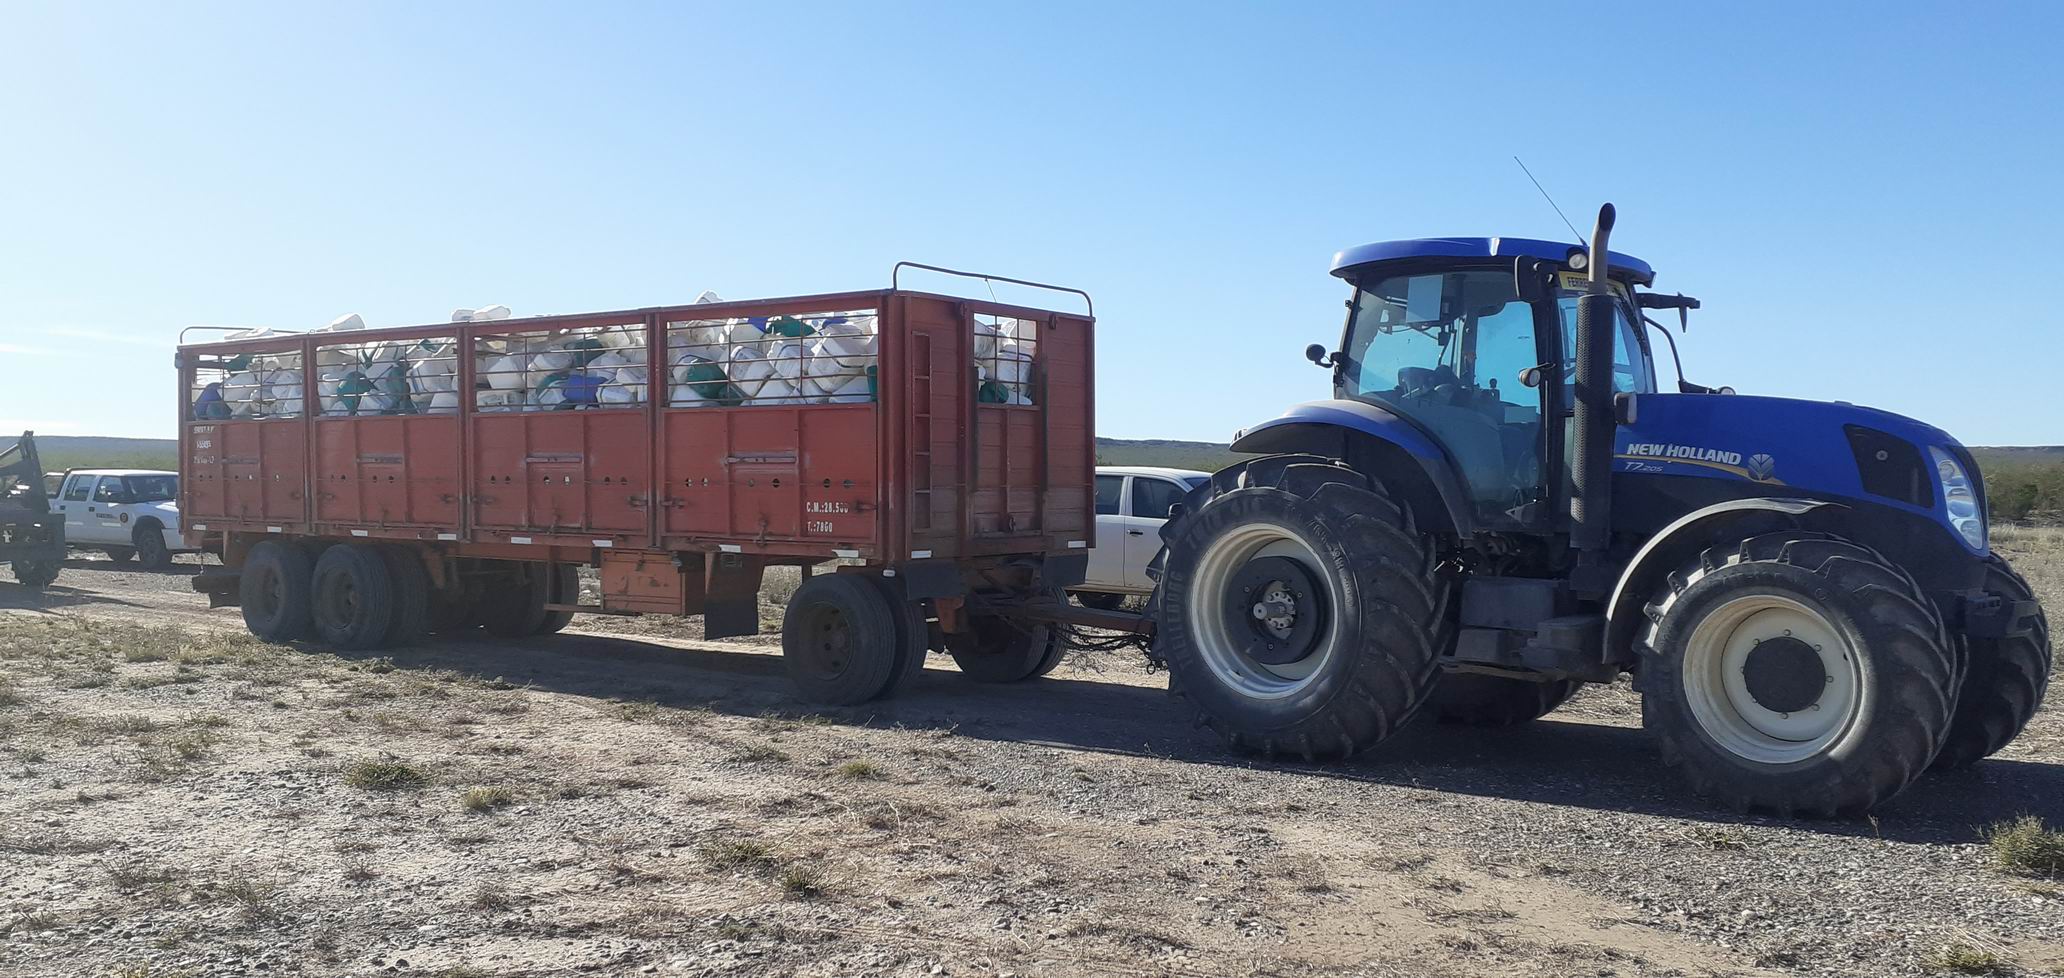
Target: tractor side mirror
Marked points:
1318	355
1531	376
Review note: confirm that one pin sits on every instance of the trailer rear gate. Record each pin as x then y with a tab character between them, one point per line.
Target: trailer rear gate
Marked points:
937	478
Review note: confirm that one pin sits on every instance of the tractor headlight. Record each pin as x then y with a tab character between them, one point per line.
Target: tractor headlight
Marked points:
1959	498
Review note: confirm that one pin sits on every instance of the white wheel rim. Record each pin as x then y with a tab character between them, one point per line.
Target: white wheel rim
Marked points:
1222	652
1717	686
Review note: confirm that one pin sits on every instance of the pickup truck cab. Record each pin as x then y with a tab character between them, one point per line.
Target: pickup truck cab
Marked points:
124	512
1132	501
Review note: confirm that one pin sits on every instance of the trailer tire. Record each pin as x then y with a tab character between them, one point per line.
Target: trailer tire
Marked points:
1496	701
2004	684
515	609
149	538
996	649
1796	673
913	633
35	574
275	591
354	598
411	596
563	587
1354	599
451	609
839	640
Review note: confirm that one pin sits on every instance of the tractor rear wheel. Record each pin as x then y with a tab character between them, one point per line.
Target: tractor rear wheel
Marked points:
1796	673
1301	609
2005	682
1496	701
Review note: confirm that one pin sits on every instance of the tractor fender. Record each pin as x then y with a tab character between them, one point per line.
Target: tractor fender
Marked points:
1375	441
1667	549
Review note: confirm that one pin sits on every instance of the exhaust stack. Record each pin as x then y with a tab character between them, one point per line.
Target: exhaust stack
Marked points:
1591	464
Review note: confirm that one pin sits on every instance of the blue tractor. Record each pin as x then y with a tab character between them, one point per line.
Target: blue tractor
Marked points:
1498	505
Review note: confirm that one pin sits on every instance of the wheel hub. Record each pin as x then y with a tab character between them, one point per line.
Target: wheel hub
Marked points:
1784	674
1273	607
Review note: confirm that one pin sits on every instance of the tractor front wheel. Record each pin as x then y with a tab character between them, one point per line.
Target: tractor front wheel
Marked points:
2004	685
1301	608
1796	673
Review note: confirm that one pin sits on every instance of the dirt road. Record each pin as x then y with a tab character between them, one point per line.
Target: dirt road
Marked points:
181	800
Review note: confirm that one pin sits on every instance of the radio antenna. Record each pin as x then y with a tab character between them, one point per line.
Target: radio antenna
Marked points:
1551	201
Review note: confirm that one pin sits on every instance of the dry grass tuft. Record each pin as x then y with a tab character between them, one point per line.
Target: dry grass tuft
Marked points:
487	799
2026	847
860	771
384	776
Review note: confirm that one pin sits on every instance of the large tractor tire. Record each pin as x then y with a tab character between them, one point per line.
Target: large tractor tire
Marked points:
36	574
354	597
2004	685
275	591
1796	673
1496	701
1002	650
839	640
1301	609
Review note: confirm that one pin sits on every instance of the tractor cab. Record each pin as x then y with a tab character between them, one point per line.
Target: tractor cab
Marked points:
1440	333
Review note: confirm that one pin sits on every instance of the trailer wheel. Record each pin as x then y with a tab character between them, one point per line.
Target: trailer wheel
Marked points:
515	608
839	640
563	587
1496	701
2004	685
275	591
149	538
411	596
1301	609
1796	673
913	632
35	573
354	597
451	610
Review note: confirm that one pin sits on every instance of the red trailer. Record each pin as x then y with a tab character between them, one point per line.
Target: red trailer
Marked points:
365	486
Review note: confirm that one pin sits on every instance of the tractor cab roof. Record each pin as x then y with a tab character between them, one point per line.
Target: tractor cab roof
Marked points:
1347	263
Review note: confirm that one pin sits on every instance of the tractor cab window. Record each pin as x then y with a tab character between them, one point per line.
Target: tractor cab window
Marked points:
1446	350
1631	371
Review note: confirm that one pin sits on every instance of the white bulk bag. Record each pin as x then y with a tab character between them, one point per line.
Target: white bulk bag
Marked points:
507	373
348	321
853	391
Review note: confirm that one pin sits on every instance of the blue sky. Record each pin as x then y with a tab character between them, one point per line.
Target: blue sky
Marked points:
1866	197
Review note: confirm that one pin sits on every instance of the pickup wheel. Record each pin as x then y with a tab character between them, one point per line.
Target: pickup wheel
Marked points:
1796	673
1302	611
275	590
149	538
2004	685
354	597
1100	600
121	555
996	649
839	640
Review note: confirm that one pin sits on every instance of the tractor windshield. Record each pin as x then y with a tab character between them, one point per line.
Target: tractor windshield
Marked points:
1632	371
1446	349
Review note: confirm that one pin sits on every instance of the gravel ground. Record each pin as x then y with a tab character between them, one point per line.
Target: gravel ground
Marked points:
630	799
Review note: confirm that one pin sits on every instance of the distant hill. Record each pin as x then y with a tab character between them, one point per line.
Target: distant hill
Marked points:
59	452
1202	455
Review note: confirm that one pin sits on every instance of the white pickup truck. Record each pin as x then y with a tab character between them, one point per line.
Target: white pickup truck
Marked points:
125	512
1132	502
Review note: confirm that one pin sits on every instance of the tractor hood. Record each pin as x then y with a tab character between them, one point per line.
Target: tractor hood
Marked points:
1818	448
